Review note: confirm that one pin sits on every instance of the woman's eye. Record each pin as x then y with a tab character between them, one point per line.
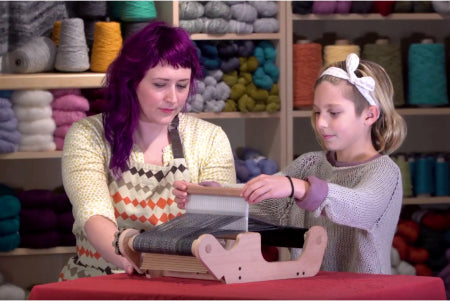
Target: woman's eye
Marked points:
182	87
159	85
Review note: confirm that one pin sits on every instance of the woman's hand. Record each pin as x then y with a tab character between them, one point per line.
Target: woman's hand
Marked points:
180	191
265	187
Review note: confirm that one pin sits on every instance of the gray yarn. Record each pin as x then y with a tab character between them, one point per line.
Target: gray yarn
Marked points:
192	26
217	25
5	103
29	19
6	114
190	10
266	25
217	9
130	28
38	55
265	8
239	27
93	10
4	26
244	12
72	54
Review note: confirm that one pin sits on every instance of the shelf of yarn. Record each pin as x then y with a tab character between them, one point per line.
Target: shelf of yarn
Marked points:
418	111
236	36
49	251
51	80
371	17
422	200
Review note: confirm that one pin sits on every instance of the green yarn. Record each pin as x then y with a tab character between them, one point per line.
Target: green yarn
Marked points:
9	225
137	11
273	104
9	206
230	78
246	103
427	75
230	106
389	57
237	91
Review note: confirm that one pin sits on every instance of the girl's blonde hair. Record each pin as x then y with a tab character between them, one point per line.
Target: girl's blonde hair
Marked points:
389	131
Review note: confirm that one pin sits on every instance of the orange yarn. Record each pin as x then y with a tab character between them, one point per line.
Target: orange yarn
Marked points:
106	46
307	63
56	31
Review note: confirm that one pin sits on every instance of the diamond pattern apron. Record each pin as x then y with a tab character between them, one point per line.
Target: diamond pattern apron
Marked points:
142	198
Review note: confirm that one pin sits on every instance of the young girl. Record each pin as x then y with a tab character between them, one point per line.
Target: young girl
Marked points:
353	189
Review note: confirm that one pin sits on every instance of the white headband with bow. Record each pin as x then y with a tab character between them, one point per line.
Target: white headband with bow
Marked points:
365	84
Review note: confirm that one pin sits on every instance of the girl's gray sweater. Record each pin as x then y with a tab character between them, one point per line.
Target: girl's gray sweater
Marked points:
358	205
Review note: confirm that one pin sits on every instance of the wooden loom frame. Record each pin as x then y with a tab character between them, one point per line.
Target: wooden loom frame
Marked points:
240	263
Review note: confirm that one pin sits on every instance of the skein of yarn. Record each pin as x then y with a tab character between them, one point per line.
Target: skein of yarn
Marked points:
107	44
72	54
389	57
38	55
307	59
427	74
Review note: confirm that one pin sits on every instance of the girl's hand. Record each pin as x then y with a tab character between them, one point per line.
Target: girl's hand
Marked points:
265	187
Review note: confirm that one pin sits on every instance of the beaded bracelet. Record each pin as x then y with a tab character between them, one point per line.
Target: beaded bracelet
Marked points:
292	186
115	242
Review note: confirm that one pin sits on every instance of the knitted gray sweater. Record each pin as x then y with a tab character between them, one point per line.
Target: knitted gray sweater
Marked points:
358	205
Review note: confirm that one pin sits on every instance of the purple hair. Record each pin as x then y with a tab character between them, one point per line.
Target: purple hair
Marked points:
156	43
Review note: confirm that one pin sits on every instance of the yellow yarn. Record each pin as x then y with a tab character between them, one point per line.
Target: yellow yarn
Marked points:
55	32
106	46
334	53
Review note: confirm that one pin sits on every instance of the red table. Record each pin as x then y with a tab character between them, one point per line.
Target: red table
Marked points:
325	285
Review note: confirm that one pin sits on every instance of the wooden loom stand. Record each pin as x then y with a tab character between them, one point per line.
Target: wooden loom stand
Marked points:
238	262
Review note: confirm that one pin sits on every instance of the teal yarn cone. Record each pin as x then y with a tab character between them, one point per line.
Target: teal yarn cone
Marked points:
427	75
424	177
389	57
137	11
441	176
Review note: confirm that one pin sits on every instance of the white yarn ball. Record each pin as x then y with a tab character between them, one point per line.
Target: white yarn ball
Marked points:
31	98
32	113
10	291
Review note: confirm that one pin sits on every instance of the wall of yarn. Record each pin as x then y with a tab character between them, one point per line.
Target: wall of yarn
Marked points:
219	17
78	36
38	120
421	242
424	174
238	76
418	70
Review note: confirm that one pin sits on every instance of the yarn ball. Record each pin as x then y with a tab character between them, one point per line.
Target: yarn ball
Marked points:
265	8
400	243
217	9
9	206
408	229
244	12
215	26
266	25
190	10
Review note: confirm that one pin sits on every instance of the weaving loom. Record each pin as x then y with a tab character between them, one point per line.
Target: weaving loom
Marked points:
215	239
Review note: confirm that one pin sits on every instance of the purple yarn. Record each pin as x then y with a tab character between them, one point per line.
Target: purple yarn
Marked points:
65	222
343	7
8	147
67	239
61	203
40	240
324	7
35	198
37	220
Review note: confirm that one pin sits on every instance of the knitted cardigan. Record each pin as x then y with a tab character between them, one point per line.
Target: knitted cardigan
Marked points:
358	205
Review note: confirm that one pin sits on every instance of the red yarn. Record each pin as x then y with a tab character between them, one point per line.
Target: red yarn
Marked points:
434	221
423	270
408	229
383	7
418	255
401	245
269	253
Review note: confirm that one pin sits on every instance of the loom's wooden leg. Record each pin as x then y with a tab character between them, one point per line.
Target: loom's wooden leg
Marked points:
126	248
245	263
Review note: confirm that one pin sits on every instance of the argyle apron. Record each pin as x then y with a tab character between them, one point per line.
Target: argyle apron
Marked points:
142	198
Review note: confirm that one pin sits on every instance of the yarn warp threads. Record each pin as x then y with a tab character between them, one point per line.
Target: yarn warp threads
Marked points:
38	55
389	57
107	44
427	75
338	52
137	11
307	63
72	54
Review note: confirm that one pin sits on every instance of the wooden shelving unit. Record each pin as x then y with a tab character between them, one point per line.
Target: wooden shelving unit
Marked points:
32	252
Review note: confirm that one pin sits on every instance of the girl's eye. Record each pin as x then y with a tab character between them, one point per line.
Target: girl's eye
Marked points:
334	113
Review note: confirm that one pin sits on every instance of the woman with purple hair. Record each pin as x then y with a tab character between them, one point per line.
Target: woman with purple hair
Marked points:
119	167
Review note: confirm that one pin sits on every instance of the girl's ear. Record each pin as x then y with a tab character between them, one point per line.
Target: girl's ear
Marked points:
372	114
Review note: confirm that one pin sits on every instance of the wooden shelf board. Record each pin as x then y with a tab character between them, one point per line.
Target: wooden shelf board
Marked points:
51	80
401	111
427	200
235	115
371	17
49	251
31	155
235	36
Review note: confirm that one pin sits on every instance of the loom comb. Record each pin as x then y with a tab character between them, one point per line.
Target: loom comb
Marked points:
239	260
219	201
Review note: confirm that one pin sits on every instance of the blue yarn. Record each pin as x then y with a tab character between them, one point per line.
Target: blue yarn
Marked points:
9	206
427	75
262	80
442	177
9	242
424	176
9	225
211	63
272	70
